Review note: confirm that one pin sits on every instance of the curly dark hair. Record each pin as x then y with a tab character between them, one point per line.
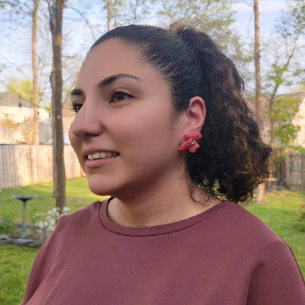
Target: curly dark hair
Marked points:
232	159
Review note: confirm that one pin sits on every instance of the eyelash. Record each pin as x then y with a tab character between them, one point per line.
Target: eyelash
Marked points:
120	92
76	106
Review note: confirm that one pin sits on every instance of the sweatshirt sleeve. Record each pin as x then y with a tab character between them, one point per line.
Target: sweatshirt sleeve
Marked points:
277	279
43	262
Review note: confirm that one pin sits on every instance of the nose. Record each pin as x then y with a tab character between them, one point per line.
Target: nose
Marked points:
86	123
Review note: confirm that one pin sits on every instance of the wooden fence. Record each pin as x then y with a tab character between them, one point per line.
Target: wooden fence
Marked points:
295	171
22	165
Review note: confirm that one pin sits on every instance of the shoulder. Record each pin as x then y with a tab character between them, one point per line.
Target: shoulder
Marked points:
85	214
241	226
74	224
244	233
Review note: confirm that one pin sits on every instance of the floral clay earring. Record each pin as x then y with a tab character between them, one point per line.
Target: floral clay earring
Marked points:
191	141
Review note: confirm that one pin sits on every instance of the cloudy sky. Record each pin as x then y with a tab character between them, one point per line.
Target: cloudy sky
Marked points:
270	10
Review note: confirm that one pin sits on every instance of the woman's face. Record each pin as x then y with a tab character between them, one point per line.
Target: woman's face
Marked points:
125	108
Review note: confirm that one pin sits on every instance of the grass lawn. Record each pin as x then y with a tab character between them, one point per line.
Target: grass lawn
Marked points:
15	267
15	263
77	192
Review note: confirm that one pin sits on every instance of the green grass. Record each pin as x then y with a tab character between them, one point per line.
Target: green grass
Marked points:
15	266
77	192
15	263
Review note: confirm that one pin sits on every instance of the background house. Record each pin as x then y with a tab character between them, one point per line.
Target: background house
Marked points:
299	120
16	116
45	126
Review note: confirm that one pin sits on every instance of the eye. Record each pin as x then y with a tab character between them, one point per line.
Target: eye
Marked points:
119	96
76	106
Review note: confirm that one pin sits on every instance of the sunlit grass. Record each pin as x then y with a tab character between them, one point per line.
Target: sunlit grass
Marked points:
77	192
15	266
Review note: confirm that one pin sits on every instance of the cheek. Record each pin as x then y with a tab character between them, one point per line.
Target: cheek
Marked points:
145	135
76	144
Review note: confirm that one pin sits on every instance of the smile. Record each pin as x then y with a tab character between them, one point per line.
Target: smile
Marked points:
102	155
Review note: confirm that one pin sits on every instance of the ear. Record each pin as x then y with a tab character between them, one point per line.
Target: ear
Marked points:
195	114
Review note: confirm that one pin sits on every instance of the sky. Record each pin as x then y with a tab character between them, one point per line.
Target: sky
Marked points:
15	50
270	10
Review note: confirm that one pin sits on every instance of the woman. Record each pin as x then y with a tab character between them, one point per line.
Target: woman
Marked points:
162	127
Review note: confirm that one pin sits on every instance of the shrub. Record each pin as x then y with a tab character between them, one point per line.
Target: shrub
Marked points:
48	221
7	225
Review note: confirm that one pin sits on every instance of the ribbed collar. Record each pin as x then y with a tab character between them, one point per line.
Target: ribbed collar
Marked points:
160	229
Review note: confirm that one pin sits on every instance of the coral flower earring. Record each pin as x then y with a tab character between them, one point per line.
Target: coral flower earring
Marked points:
191	142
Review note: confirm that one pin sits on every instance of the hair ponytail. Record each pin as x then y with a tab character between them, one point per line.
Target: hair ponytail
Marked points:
232	159
236	156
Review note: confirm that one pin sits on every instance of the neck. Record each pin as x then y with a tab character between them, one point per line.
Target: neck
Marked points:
165	202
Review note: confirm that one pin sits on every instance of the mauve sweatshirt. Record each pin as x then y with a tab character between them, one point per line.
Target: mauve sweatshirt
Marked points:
223	256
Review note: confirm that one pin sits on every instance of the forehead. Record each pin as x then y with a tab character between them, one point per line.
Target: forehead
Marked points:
112	57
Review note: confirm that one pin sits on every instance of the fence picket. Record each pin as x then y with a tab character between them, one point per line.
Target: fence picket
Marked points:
296	172
22	165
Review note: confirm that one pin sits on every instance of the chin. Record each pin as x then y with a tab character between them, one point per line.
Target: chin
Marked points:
99	188
102	187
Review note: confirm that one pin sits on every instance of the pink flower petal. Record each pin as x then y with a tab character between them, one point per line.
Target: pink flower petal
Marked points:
194	148
185	146
197	137
189	135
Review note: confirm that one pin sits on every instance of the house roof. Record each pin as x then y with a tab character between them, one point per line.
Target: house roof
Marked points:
13	100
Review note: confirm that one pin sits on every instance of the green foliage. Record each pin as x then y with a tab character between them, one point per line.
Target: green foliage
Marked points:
48	108
24	88
299	149
284	110
284	49
7	225
215	18
293	22
125	12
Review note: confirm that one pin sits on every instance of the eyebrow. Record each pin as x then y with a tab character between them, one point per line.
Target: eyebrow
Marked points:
105	82
77	92
108	80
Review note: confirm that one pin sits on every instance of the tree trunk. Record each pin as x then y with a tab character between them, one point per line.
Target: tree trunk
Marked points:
271	131
59	144
258	103
109	14
35	139
261	191
52	11
52	80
